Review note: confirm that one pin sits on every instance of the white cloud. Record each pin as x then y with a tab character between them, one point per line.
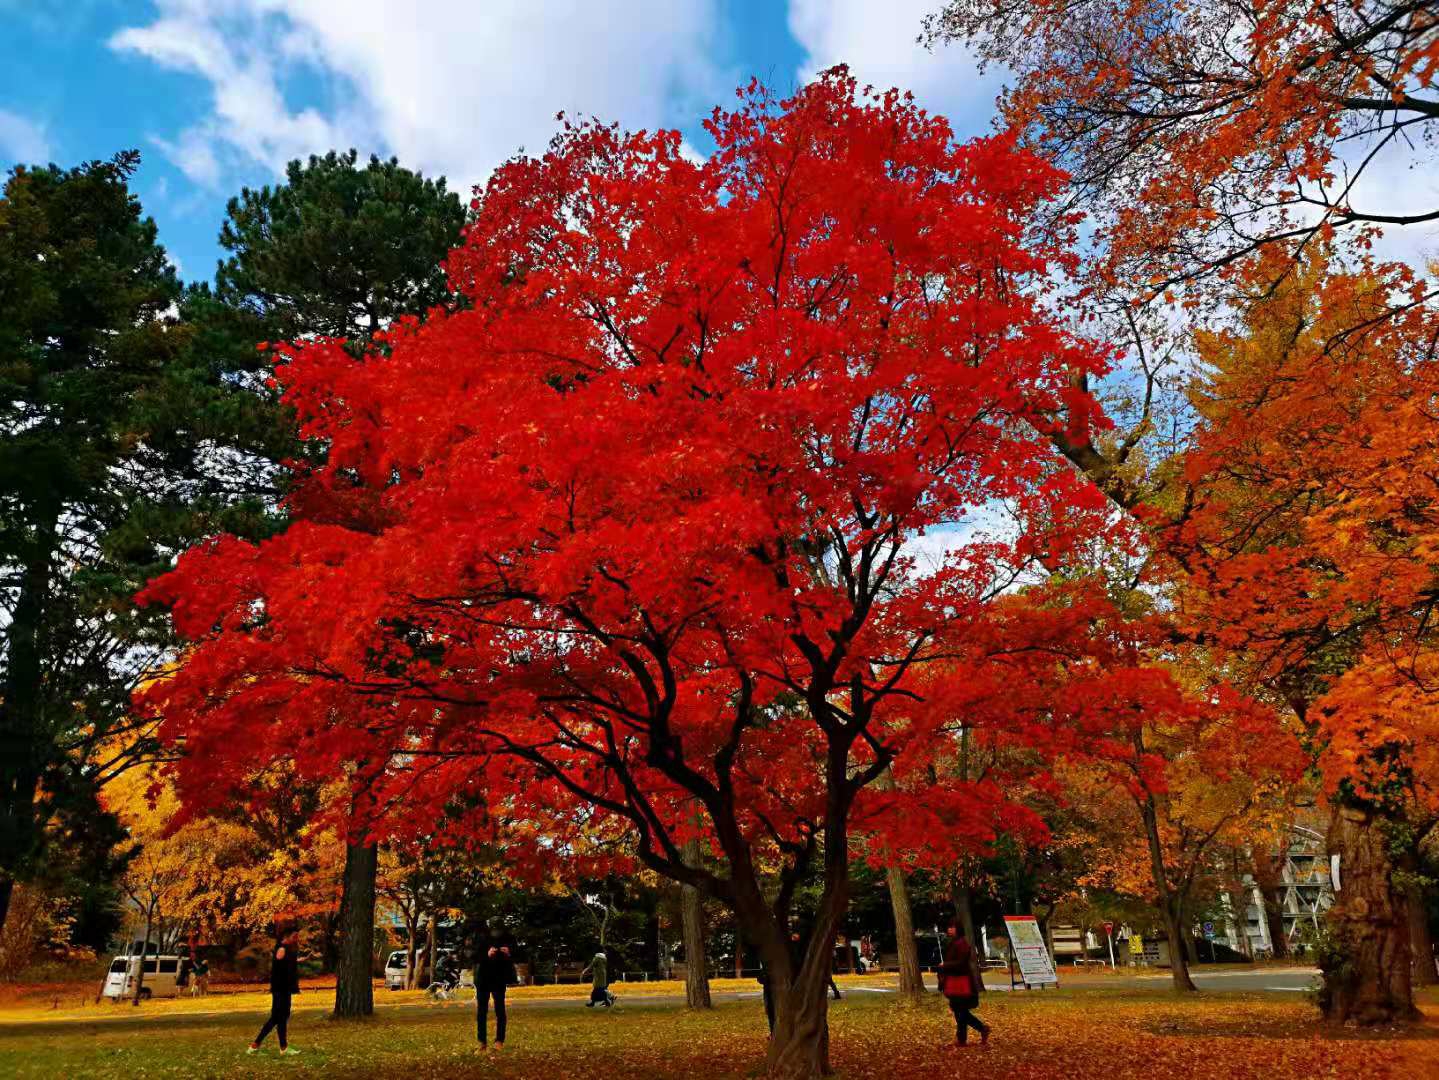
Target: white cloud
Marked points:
194	155
22	141
451	87
879	42
1400	180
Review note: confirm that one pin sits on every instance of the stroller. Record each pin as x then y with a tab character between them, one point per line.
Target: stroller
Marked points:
600	994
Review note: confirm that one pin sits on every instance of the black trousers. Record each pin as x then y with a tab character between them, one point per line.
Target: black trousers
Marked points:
482	1012
964	1019
278	1019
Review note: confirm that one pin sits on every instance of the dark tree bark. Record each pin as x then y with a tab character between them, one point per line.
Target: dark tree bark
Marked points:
654	946
354	986
23	710
1178	954
1268	875
144	952
911	979
1191	950
412	953
1367	971
1171	906
1421	944
431	949
697	981
964	910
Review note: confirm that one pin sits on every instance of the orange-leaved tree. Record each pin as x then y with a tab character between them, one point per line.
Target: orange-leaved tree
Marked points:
1202	131
1306	537
229	873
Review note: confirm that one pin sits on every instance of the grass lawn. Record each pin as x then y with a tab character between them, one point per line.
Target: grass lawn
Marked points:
1087	1033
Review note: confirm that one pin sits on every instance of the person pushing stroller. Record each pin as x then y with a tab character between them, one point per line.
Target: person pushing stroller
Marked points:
599	970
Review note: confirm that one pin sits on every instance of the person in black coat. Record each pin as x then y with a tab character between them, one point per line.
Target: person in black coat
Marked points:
960	960
494	974
284	985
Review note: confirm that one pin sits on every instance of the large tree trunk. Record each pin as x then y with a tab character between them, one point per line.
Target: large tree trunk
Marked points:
1421	945
964	912
1178	954
911	979
23	723
354	987
432	949
1367	971
799	1045
692	919
412	953
329	942
799	1041
1170	905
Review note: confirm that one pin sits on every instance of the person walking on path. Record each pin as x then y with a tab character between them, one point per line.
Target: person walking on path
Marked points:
599	968
284	985
494	973
201	971
961	983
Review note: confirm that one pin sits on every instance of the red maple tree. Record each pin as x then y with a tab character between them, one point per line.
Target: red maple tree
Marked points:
621	541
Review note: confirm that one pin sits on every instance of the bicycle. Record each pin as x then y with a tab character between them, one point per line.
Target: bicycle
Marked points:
447	990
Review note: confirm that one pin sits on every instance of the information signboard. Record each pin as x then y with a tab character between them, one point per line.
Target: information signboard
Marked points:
1036	968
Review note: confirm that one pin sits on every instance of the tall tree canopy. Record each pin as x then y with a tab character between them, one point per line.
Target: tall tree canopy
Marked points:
1306	547
622	536
1230	155
338	249
1202	131
107	467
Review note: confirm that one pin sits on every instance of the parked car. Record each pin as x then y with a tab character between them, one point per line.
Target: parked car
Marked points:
162	976
398	961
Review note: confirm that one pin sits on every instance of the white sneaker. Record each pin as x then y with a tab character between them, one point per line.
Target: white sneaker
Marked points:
289	1050
252	1049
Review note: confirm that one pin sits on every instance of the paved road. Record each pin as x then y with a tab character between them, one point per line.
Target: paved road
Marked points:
1289	980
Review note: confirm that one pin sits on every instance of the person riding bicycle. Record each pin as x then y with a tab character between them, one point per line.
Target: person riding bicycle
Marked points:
445	971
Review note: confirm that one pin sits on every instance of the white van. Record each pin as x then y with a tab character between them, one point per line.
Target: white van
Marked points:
397	962
162	976
395	966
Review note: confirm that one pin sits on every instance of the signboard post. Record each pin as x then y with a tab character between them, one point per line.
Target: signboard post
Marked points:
1026	943
1109	937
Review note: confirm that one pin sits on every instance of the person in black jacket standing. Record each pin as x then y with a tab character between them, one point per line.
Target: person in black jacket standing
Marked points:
284	985
494	973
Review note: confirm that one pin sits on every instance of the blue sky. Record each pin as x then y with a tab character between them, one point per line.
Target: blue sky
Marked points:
218	94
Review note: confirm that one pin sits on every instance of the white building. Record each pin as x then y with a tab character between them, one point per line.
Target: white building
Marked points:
1305	894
